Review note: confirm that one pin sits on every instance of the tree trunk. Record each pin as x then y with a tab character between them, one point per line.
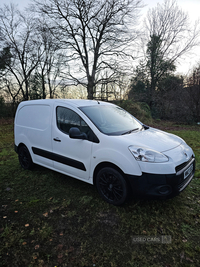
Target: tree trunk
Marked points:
43	86
90	88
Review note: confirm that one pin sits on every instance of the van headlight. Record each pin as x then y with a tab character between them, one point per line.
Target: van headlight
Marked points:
147	155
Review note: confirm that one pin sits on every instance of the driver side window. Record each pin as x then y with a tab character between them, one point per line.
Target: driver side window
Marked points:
67	118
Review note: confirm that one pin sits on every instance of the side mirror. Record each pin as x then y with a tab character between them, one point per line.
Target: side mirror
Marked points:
75	133
145	127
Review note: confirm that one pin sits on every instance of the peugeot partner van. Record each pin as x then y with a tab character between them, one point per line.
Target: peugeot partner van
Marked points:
102	144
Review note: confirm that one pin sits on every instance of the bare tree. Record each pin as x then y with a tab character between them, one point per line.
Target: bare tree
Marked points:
172	26
97	35
169	36
52	62
18	34
117	90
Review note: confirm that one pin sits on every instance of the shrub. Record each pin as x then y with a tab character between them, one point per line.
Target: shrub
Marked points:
140	110
7	110
2	107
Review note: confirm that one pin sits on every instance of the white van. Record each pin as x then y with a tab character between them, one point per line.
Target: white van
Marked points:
102	144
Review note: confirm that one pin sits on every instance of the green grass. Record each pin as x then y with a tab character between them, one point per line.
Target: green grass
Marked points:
48	219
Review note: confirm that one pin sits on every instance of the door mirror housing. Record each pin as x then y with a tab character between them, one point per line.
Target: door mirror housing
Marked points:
75	133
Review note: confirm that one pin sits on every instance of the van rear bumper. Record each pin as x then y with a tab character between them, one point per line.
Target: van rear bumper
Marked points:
159	186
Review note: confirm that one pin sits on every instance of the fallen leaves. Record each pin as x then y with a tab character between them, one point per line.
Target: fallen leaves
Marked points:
60	256
71	249
60	247
37	246
8	189
46	214
188	259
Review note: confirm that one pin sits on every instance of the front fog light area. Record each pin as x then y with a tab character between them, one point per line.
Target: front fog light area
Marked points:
147	155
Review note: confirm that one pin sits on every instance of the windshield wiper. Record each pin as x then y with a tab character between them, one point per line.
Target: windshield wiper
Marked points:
128	132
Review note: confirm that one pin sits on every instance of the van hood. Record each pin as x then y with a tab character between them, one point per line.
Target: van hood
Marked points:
153	139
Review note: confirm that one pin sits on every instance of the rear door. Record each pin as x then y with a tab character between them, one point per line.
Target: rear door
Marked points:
72	156
33	128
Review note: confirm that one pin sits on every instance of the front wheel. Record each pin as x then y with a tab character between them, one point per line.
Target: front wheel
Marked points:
112	186
25	158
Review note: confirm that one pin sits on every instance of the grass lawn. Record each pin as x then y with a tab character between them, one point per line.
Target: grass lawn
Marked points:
48	219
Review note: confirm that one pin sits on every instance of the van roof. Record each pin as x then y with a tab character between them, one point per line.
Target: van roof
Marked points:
73	102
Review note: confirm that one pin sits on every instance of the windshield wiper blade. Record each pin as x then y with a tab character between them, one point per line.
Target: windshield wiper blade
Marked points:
128	132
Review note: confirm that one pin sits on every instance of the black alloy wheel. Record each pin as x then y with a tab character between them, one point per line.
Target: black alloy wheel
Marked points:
112	186
25	158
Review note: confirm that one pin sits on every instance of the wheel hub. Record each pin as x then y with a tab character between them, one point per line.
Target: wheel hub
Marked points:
110	187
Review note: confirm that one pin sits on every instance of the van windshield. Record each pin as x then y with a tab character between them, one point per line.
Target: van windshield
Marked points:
111	120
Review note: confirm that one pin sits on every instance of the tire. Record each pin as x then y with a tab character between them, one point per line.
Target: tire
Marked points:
112	186
25	158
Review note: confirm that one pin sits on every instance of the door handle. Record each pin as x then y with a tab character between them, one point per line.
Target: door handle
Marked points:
57	139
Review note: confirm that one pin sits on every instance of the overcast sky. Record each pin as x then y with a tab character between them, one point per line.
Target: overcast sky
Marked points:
190	6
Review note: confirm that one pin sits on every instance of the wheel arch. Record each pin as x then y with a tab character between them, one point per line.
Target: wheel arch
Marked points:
24	156
20	145
108	164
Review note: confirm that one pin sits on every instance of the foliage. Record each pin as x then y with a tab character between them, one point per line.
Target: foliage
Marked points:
149	76
2	107
193	88
168	38
7	110
157	66
173	98
5	58
91	43
140	110
169	32
169	100
49	219
35	84
139	84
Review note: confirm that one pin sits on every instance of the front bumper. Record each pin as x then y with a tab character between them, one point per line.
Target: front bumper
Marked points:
161	186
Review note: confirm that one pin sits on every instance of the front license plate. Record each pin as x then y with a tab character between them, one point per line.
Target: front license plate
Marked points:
188	171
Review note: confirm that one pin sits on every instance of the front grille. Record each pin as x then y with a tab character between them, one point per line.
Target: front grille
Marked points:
182	166
181	170
185	182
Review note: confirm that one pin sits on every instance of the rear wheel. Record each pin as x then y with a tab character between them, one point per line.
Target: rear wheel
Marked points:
25	158
112	186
